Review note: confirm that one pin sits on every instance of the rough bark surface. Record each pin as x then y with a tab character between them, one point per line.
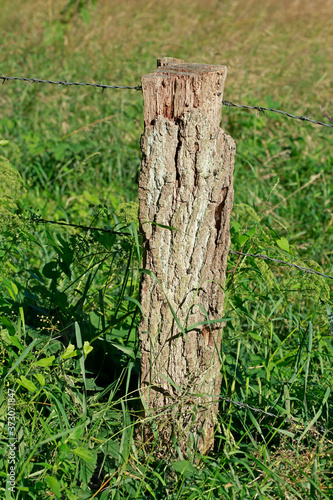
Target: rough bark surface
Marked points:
186	183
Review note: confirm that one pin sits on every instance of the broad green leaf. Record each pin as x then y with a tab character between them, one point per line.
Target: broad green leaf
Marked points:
86	473
44	362
50	270
251	232
95	319
11	287
11	339
87	348
124	349
54	485
77	433
283	244
70	352
242	239
184	467
27	384
235	226
40	378
64	452
86	455
16	342
3	142
74	496
8	324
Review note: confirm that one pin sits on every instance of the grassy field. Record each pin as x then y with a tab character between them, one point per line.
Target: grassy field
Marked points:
69	298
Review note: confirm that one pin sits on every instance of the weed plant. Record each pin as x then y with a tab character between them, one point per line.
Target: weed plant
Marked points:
69	297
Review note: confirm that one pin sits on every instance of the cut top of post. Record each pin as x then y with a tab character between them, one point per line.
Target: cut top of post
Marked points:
176	86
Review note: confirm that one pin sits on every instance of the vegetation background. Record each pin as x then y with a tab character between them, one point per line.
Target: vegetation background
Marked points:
69	298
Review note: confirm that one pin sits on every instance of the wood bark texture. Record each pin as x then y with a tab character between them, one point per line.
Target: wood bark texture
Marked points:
186	183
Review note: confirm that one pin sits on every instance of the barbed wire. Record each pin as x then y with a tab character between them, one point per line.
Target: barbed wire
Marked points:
66	84
248	407
265	257
39	220
224	102
139	87
289	115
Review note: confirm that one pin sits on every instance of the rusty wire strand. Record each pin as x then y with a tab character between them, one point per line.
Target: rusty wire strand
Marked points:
139	87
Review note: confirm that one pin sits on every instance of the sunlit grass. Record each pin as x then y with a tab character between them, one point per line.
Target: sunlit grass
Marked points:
77	148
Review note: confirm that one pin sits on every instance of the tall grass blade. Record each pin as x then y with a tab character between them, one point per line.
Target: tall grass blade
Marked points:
20	359
308	360
82	366
317	415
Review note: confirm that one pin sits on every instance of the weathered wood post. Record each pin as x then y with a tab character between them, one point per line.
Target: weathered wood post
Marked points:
186	183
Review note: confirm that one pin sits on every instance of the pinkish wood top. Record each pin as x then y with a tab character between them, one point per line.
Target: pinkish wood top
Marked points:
176	87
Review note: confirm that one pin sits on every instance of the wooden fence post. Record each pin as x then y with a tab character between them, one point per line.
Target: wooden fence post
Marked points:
186	183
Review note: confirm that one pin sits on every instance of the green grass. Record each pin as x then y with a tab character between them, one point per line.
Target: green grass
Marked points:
69	299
